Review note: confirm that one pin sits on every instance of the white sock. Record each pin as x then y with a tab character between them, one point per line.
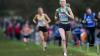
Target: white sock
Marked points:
65	54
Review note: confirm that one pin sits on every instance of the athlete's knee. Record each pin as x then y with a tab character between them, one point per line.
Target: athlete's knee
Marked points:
42	39
46	39
63	40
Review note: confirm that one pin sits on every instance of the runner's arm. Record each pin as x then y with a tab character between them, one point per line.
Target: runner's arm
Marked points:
70	13
56	17
47	17
34	19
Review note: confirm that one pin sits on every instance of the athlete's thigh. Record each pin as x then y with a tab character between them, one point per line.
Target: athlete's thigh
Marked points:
62	33
68	35
41	35
46	36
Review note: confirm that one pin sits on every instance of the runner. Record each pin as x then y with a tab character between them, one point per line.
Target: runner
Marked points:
42	20
62	15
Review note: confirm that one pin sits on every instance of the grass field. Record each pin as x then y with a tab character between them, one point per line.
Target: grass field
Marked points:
16	48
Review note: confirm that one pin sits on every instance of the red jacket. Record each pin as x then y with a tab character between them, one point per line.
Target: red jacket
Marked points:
10	29
17	30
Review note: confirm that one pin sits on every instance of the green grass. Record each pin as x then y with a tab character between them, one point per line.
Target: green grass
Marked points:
16	48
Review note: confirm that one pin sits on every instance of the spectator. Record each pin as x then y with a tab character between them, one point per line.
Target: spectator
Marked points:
10	31
98	28
26	32
76	31
17	31
83	36
89	17
56	34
